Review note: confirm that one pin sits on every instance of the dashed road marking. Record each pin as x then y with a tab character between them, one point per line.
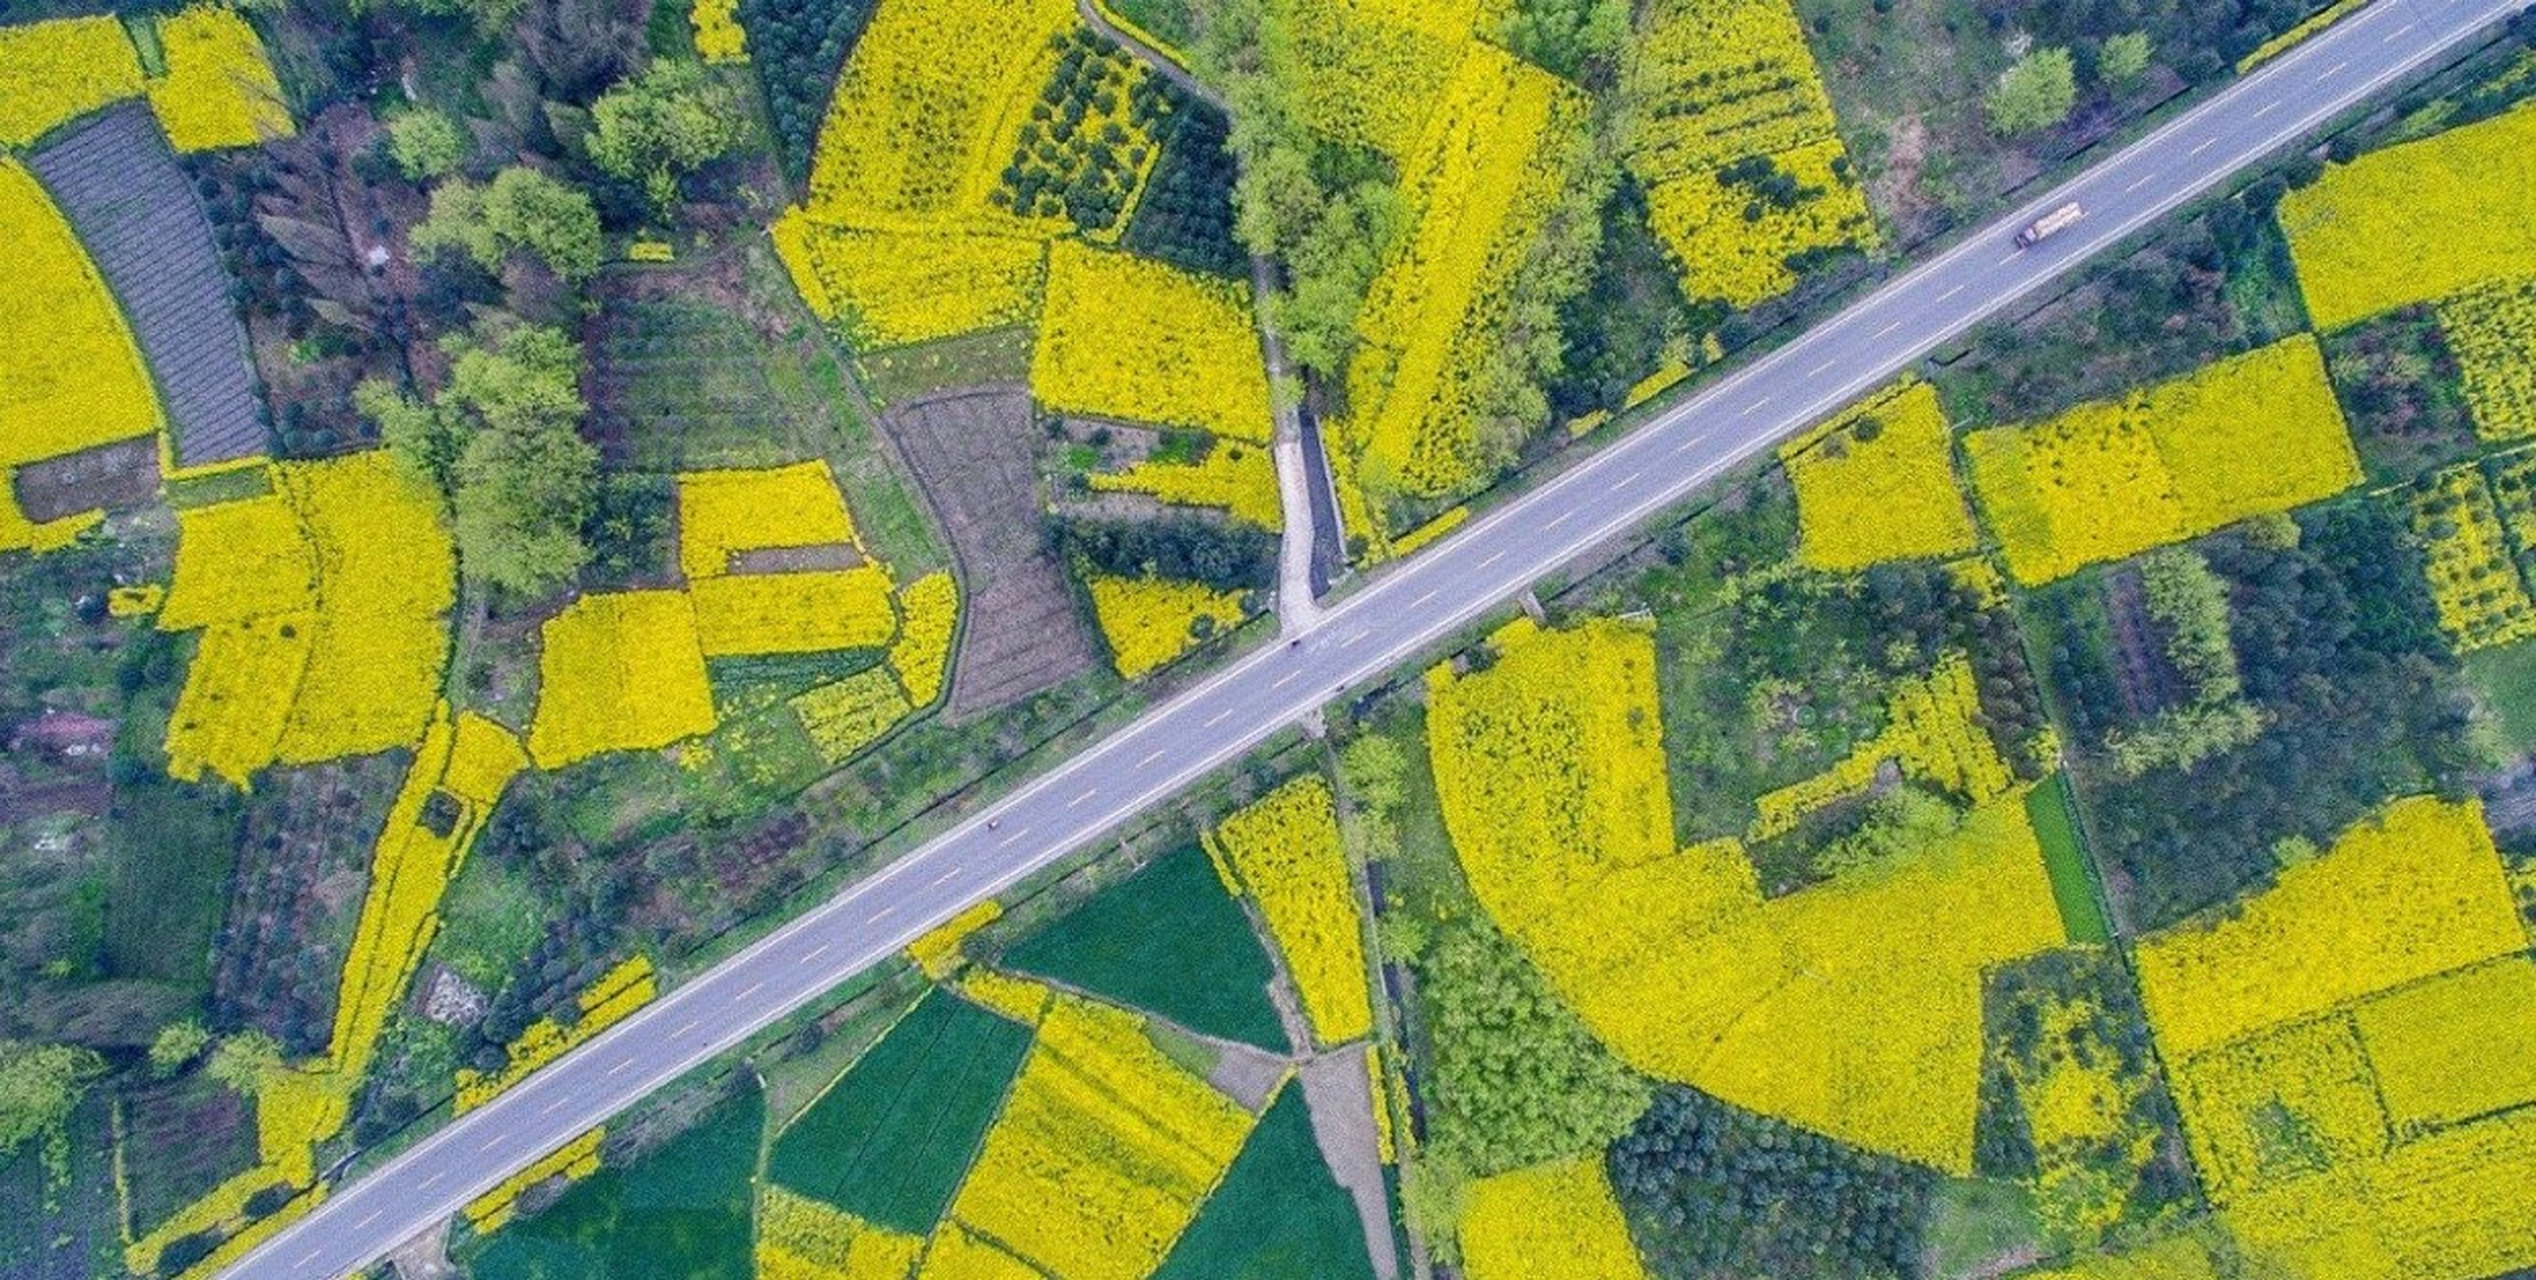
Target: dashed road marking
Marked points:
1151	756
375	1215
1423	599
1888	328
427	1182
1493	557
1077	802
938	881
1951	292
1627	480
2267	108
1557	520
691	1025
2139	182
492	1142
1008	840
2335	69
1351	640
2206	144
1821	369
1220	717
754	987
822	948
1286	679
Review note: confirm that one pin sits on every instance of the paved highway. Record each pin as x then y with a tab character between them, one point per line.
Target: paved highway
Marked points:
1367	635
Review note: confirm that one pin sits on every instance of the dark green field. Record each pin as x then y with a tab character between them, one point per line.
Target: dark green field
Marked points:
2082	914
1167	940
891	1140
681	1213
1279	1214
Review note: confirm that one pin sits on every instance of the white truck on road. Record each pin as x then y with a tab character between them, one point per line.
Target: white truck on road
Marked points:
2050	224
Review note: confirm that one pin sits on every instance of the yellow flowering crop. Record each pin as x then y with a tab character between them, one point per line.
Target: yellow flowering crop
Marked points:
845	716
2182	1257
2482	600
1483	176
903	285
53	72
70	376
814	612
938	952
956	1254
2459	1046
1551	771
1142	341
219	91
2453	1206
2417	222
2253	435
2416	890
1727	83
1370	72
2080	1105
2308	1078
618	992
571	1162
1557	1219
930	612
719	36
619	672
1932	731
799	1238
1134	1140
724	513
1865	496
17	533
1284	850
1150	621
2492	329
1018	999
2292	38
1239	478
135	602
323	604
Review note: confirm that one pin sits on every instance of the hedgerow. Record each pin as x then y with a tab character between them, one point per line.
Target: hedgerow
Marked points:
2417	222
1134	1139
1240	479
1481	179
2492	330
1554	1219
2482	598
219	91
1126	338
1878	484
1283	850
1147	621
1738	148
2171	462
621	672
56	71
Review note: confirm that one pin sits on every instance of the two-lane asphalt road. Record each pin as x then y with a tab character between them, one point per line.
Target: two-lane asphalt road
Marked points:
1369	634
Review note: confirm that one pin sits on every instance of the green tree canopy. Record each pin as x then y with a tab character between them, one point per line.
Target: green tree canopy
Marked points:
177	1045
521	209
503	441
2035	94
2125	57
1579	39
39	1086
426	143
658	127
243	1061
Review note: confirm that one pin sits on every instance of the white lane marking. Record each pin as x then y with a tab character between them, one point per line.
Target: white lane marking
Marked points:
491	1143
2204	145
375	1214
310	1257
1286	679
426	1186
1823	368
682	1031
1559	519
822	948
558	1104
2011	258
2334	70
1422	599
1952	292
874	918
1493	557
1151	756
2267	108
2139	182
1888	328
2397	34
1220	717
1351	640
1077	802
1688	445
1007	841
1627	480
754	987
938	881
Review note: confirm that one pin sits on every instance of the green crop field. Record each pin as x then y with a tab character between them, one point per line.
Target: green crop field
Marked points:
680	1213
1279	1214
1167	940
890	1140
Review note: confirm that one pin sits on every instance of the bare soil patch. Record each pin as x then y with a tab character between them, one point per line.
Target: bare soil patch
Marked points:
115	477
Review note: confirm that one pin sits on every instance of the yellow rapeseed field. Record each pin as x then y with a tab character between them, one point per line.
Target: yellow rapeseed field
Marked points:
1555	1219
1932	732
956	1254
70	376
1134	1139
2252	435
1241	479
571	1162
2492	330
1551	772
1370	72
2417	222
799	1238
939	953
54	72
901	285
2309	1078
1283	850
219	91
619	672
2456	1047
2182	1257
719	36
930	608
1142	341
2453	1206
2483	601
1483	175
817	612
1868	494
617	993
845	716
2415	891
724	513
1150	621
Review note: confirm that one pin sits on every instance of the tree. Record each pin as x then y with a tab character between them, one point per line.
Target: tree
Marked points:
1579	39
2125	58
242	1062
2035	94
664	124
39	1087
503	441
426	143
521	209
177	1045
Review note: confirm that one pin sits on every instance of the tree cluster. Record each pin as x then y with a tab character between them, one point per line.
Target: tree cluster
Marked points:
1188	548
799	46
